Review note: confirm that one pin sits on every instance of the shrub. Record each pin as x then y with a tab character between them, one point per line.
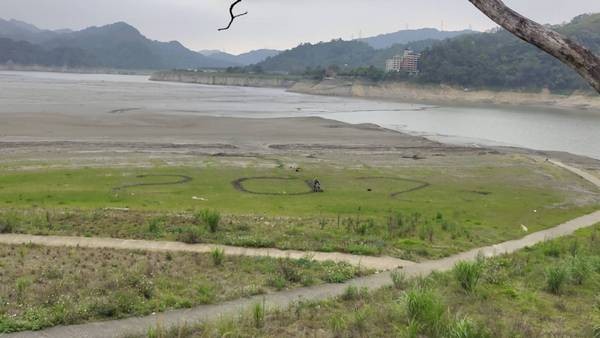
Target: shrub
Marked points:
425	309
579	269
399	279
211	218
555	278
190	235
468	274
218	255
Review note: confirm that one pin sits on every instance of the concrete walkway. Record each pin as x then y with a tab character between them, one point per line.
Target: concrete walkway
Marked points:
370	262
117	328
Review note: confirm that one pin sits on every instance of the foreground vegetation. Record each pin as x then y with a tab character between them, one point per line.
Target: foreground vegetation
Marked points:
42	287
408	213
510	296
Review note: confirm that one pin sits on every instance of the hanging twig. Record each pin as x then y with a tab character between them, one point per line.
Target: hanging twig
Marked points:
233	16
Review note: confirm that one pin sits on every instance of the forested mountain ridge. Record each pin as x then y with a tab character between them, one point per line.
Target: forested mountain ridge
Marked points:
383	41
500	60
118	45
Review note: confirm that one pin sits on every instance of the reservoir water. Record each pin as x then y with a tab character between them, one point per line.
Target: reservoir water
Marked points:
573	131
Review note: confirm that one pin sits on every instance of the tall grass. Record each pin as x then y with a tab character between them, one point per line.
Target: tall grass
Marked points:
211	218
218	255
556	277
399	279
425	310
258	315
468	274
580	269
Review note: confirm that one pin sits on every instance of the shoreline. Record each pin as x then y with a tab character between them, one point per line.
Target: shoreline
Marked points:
392	91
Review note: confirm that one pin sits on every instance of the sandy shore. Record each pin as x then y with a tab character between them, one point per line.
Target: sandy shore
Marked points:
395	91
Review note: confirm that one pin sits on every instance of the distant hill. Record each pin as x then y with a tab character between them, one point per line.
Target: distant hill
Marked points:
22	31
344	54
117	45
406	36
23	52
500	60
244	59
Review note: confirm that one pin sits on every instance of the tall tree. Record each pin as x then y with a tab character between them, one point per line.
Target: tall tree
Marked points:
576	56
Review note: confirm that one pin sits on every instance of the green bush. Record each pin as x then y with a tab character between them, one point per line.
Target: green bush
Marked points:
218	255
468	274
555	278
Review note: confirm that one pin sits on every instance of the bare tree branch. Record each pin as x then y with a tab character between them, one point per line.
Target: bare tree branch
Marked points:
233	16
581	59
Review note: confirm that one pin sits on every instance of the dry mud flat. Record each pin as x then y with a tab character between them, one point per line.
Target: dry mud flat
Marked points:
43	135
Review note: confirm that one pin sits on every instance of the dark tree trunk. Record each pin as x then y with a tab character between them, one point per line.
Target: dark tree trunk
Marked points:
586	63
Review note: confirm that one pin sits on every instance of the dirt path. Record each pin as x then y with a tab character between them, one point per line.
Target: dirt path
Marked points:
117	328
378	263
581	173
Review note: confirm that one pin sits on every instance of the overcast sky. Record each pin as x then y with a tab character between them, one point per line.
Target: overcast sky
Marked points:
276	24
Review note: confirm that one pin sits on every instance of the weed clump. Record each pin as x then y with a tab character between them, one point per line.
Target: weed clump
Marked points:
468	274
258	315
555	278
399	279
579	269
210	218
218	255
425	310
190	235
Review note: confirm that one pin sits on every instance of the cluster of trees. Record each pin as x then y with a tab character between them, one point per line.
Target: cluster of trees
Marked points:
500	60
495	59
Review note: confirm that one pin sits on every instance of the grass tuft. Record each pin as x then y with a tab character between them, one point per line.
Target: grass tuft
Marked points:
556	277
468	274
218	255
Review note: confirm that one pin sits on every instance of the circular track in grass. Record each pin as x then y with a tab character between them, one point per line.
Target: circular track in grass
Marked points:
239	186
182	179
418	184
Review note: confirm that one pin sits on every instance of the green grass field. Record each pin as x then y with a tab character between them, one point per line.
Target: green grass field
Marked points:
407	212
512	297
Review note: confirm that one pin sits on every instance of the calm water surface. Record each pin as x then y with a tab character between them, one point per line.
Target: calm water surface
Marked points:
544	129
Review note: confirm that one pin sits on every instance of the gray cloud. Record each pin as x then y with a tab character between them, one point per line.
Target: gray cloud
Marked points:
275	23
